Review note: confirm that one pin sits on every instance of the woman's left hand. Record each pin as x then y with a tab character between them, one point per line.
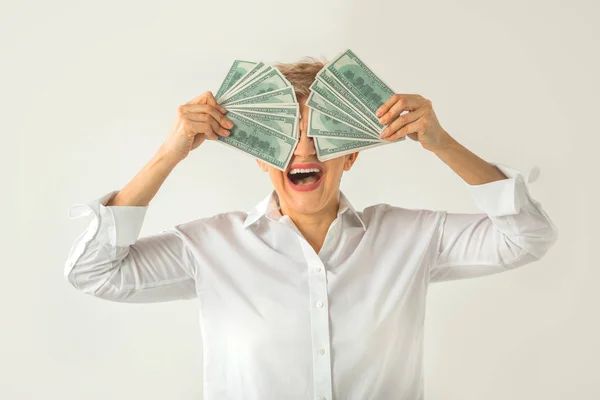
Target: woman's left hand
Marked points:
419	123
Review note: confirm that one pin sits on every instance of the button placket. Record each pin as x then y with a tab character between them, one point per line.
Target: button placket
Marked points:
331	235
319	315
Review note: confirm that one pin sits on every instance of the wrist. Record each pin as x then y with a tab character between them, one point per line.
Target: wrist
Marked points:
447	145
166	158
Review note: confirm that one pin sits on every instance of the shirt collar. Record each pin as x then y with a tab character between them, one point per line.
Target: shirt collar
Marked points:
269	207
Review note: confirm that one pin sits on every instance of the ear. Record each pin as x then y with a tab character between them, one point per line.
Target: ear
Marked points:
349	161
262	165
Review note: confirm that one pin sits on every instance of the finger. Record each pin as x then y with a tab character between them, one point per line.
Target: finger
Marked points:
208	131
211	101
201	128
198	109
393	112
410	128
387	105
400	122
216	128
408	102
210	135
207	98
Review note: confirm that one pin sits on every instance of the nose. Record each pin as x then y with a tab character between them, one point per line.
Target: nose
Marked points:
306	146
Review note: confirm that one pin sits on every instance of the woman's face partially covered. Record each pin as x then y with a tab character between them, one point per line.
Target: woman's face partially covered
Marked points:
308	186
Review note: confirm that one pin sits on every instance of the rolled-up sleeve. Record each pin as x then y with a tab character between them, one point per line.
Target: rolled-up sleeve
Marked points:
512	231
109	261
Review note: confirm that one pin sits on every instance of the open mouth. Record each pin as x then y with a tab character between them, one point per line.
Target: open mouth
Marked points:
305	177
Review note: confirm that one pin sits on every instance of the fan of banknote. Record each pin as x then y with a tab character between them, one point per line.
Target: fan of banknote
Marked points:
264	110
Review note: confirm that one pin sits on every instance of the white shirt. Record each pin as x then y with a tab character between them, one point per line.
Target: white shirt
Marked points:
282	322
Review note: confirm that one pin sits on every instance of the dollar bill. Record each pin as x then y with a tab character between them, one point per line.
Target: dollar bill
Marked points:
318	103
278	108
318	88
286	124
286	95
366	87
328	148
238	70
255	71
259	141
322	125
269	82
336	86
248	81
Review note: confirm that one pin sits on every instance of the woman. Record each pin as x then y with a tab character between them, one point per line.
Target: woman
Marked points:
304	297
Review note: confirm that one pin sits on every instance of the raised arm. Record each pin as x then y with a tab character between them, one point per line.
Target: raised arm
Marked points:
513	229
108	260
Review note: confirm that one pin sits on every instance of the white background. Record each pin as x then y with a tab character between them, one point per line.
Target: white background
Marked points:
89	90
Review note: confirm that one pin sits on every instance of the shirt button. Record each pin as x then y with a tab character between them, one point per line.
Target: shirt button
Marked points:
317	269
319	304
322	352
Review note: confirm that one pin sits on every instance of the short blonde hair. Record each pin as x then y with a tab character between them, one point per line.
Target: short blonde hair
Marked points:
301	74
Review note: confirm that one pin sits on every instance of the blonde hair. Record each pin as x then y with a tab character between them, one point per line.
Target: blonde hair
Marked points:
301	74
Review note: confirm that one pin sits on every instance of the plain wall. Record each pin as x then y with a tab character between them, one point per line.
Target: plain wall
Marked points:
89	91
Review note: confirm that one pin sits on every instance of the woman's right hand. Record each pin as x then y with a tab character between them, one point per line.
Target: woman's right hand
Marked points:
199	119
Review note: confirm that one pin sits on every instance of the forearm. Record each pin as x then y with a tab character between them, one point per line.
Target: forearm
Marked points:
144	186
471	168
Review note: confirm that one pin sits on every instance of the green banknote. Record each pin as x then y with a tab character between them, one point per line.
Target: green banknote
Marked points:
286	124
259	141
237	71
256	70
291	109
336	86
371	91
318	88
269	82
322	125
328	148
286	96
248	81
318	103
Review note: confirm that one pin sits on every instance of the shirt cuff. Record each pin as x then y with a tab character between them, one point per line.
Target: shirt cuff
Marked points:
116	225
505	196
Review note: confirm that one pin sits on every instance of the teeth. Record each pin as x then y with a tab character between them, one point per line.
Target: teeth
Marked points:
303	171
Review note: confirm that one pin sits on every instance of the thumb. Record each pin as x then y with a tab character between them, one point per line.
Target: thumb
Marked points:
211	101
